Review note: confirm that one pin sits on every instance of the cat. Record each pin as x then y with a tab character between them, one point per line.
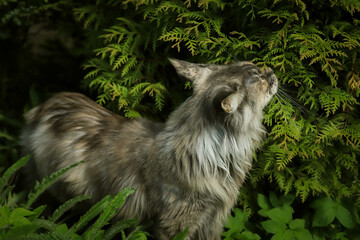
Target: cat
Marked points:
187	171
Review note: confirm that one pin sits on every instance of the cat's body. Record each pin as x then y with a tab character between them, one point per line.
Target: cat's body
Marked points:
186	172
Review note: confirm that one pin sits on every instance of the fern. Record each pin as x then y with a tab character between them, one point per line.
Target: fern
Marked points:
93	212
11	170
23	223
332	98
61	210
117	228
46	183
108	213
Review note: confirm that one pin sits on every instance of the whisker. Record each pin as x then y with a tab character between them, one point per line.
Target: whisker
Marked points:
296	105
290	99
288	96
293	101
278	98
286	90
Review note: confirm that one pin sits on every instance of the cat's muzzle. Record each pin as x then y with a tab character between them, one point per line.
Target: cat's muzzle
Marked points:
269	75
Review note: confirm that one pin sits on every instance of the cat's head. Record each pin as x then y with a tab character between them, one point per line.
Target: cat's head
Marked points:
232	88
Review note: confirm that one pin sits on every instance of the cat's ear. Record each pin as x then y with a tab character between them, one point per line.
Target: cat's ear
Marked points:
196	73
188	70
231	103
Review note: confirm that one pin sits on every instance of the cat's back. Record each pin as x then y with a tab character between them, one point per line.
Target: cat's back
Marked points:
70	127
67	107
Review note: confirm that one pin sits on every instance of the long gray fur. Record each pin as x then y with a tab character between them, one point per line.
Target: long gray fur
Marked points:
186	172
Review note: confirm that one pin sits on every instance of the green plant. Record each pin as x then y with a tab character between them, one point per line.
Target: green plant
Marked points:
275	220
280	213
314	58
235	227
335	220
312	148
23	222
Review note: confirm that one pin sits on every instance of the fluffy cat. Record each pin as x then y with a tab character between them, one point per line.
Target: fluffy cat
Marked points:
186	171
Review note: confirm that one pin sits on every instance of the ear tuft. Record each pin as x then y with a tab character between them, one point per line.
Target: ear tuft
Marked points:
196	73
188	70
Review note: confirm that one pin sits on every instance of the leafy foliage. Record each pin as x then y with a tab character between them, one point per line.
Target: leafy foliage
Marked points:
236	229
46	183
24	222
277	221
281	222
309	127
312	148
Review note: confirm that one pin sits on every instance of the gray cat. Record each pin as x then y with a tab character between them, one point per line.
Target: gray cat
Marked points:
186	171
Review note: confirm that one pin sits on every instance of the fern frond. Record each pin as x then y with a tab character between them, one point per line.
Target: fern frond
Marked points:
92	213
278	16
332	98
118	227
131	63
11	171
302	188
5	193
156	90
169	6
46	183
59	212
109	212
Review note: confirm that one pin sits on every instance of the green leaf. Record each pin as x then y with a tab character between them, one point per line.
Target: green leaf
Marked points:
4	216
4	196
236	223
182	235
11	170
272	226
18	217
263	201
20	212
247	235
325	211
303	234
94	211
117	228
67	206
46	183
138	236
286	199
44	224
281	215
344	216
297	224
274	199
110	211
37	212
62	229
288	235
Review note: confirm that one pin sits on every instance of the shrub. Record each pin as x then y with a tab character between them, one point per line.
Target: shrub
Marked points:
313	142
314	134
276	215
312	149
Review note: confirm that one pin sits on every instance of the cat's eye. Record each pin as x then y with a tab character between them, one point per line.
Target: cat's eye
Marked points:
236	87
253	79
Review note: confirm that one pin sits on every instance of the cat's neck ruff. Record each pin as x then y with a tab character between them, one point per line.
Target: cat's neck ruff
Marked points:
219	153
